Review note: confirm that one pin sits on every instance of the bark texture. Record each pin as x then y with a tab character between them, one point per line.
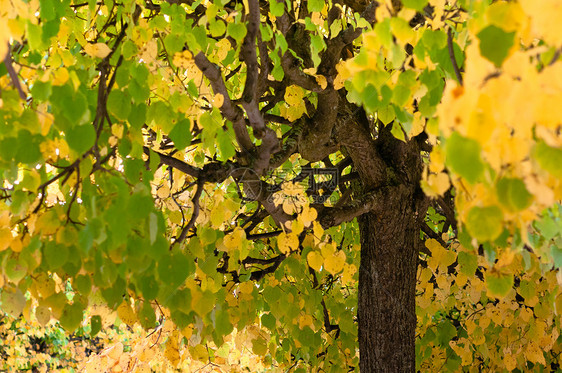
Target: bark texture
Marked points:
390	170
387	279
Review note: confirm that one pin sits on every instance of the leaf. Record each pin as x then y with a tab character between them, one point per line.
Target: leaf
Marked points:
126	314
98	50
513	194
119	104
13	302
43	315
277	7
549	158
95	325
334	263
463	157
81	138
495	44
236	30
468	263
71	317
485	223
498	285
173	269
315	260
287	242
415	4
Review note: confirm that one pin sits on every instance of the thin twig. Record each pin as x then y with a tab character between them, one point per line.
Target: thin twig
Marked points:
452	55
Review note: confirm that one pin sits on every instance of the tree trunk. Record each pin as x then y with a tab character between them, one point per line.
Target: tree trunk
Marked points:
387	282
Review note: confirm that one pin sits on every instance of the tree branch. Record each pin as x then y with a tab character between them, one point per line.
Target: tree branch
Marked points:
452	55
13	74
332	216
175	163
228	109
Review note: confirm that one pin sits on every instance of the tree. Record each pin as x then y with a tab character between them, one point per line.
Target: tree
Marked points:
280	167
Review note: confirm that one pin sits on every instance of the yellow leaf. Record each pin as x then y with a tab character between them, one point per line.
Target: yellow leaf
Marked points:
294	95
5	238
4	37
172	352
246	287
199	352
510	362
438	184
315	260
335	263
287	242
126	313
98	50
308	215
163	191
218	100
348	271
234	239
321	80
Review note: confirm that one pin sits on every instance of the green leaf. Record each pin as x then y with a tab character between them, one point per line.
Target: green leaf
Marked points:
217	28
71	104
549	158
386	115
71	317
498	285
83	284
495	44
276	7
41	91
445	332
81	138
147	317
415	4
148	287
315	5
119	104
223	325
397	131
95	325
28	149
513	194
468	263
485	223
269	321
225	144
237	31
556	253
463	157
181	134
162	115
173	269
55	255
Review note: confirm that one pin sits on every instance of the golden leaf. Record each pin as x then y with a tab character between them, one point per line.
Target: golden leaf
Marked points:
98	50
315	260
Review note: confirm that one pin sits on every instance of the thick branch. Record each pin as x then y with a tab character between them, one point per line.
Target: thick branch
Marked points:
332	216
228	109
249	53
314	145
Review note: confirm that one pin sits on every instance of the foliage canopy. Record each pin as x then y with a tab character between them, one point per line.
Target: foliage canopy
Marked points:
197	166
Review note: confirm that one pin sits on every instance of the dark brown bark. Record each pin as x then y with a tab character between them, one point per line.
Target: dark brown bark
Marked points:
390	172
387	279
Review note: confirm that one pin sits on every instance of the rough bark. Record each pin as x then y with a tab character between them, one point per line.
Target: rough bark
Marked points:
387	279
